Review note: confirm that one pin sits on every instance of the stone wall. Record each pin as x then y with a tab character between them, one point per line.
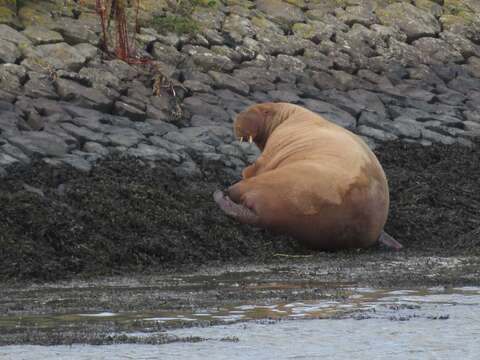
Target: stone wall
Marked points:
385	69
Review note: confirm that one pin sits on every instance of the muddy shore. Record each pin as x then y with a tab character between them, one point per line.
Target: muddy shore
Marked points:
127	216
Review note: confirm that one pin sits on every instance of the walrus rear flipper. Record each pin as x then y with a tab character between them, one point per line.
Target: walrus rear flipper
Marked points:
389	241
237	211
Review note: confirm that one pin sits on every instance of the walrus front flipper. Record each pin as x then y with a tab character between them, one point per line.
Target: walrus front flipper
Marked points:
237	211
389	241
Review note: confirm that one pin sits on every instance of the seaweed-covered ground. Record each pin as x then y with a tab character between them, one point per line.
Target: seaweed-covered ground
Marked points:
127	216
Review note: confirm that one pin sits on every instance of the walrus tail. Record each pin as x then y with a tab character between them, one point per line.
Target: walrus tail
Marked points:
389	241
237	211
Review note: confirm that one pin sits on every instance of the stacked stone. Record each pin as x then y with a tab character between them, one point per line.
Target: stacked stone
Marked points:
384	70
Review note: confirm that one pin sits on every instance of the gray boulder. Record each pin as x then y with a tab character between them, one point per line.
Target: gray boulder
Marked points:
40	143
414	22
40	35
330	112
8	52
83	96
281	12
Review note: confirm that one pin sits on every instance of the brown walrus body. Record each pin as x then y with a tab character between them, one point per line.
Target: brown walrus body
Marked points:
314	180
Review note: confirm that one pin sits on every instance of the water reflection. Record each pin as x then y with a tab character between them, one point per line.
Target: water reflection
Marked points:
434	323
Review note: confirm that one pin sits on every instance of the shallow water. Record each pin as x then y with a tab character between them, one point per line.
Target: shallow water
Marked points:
367	323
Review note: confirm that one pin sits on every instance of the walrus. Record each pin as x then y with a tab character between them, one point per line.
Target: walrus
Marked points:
314	180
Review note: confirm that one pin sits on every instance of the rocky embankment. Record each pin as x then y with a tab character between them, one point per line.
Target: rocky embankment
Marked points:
388	70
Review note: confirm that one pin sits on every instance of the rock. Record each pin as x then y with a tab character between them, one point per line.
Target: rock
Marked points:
40	35
7	160
96	148
11	124
426	74
101	78
121	69
275	44
208	60
45	58
196	86
230	150
40	86
369	100
8	16
257	79
437	50
189	142
407	127
413	91
284	96
317	61
442	119
405	54
436	137
172	147
375	133
356	15
225	81
233	54
194	105
77	162
88	51
39	143
238	27
213	36
125	137
152	153
83	134
346	81
315	31
6	106
281	12
473	127
234	102
342	101
9	34
429	6
133	113
330	112
473	116
464	84
167	54
77	32
194	135
413	21
287	63
8	52
187	169
473	66
83	96
15	152
452	98
161	127
461	44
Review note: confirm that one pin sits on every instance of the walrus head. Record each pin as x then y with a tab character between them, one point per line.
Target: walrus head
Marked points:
257	122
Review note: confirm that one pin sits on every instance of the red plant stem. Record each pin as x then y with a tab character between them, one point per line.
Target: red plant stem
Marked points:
102	12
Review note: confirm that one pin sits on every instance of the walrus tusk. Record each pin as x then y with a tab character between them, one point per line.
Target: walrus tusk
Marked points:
250	139
241	138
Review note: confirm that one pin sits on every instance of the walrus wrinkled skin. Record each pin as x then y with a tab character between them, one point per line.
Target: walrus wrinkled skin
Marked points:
314	180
